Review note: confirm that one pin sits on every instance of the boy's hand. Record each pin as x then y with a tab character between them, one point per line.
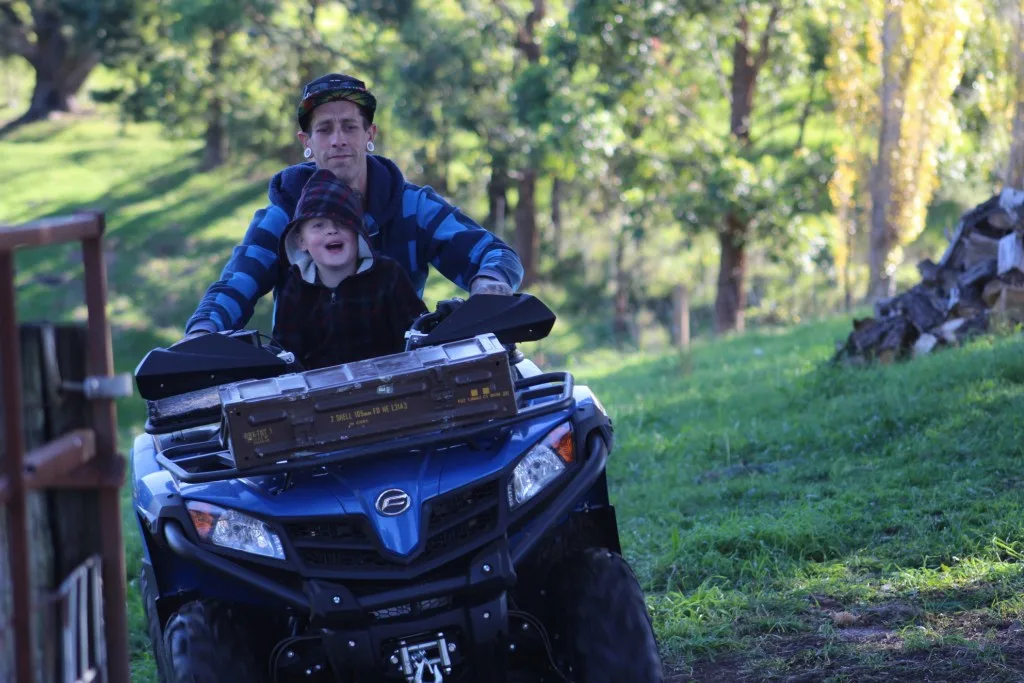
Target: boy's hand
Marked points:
488	285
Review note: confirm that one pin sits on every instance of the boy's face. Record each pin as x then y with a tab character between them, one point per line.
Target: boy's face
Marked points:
330	244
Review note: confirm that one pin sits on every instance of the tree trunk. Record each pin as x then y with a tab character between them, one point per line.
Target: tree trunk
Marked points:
527	239
806	113
215	149
556	217
60	70
681	317
621	327
497	195
849	227
731	298
311	61
744	82
883	236
1015	164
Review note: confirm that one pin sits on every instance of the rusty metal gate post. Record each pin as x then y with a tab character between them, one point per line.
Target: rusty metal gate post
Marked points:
85	459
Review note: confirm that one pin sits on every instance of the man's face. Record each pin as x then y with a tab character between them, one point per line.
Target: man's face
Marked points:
338	135
331	245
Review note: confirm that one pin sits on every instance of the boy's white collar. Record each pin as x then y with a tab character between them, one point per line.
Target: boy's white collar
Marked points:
307	267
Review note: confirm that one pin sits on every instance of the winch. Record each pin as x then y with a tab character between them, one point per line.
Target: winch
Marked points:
428	658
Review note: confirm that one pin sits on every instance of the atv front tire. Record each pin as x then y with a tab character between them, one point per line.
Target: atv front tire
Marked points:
205	643
153	623
605	624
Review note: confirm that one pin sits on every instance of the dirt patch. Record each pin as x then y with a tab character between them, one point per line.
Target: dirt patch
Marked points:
874	634
868	654
744	469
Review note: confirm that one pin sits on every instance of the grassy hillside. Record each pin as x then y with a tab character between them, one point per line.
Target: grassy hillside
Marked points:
790	521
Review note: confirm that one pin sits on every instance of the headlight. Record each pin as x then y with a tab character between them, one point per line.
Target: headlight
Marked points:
231	529
542	465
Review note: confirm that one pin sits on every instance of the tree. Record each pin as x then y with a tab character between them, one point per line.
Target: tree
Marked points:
1015	161
532	87
222	71
900	62
63	41
750	54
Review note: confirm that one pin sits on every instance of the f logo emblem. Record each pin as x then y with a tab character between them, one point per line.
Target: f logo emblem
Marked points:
393	502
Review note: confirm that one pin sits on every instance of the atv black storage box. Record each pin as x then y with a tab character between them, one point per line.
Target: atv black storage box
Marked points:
426	390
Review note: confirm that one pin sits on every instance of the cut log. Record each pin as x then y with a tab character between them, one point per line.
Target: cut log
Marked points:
862	323
979	278
1011	254
929	270
1009	307
980	248
978	274
921	309
1000	220
955	245
947	330
924	344
992	291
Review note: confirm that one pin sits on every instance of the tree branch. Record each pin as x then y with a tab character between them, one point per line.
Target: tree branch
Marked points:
15	34
524	30
300	41
723	80
764	51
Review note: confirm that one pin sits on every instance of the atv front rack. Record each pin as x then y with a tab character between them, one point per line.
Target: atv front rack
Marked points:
209	460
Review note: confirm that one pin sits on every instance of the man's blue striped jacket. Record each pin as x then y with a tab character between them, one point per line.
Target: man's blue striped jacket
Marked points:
409	223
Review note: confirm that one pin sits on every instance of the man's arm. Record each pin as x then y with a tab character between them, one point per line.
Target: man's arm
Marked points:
458	247
250	273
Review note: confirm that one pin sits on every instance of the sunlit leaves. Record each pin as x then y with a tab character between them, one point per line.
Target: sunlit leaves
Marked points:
926	67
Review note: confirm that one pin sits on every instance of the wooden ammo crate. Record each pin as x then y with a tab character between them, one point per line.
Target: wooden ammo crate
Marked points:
429	389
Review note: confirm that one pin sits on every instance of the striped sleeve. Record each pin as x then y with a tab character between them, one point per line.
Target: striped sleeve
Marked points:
250	272
454	244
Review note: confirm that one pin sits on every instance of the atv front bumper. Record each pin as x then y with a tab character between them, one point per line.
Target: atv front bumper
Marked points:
466	612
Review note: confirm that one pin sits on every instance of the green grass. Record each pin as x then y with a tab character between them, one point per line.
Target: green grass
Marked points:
786	518
753	479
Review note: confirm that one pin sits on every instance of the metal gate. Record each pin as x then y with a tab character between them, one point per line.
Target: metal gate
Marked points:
91	600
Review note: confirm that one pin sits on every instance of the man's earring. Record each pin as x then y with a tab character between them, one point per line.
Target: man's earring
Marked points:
307	152
369	145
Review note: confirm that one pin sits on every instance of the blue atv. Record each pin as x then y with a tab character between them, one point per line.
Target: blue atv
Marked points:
411	518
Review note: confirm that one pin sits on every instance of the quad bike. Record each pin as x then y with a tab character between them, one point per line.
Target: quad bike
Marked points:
441	514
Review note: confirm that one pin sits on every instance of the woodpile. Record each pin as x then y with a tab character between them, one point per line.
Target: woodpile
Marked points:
979	281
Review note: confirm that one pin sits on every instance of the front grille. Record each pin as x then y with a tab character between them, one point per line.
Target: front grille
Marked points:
412	608
456	523
355	560
452	508
462	533
343	530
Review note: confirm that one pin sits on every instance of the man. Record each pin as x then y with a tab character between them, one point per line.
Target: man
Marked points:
410	224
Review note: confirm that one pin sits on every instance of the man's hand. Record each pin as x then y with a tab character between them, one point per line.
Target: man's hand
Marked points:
488	285
192	335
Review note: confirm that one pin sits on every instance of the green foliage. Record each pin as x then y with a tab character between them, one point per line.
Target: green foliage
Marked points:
104	26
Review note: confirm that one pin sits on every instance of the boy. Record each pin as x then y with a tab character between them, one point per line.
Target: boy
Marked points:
341	301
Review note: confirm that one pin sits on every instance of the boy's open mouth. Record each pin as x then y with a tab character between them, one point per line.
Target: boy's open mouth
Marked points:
334	246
